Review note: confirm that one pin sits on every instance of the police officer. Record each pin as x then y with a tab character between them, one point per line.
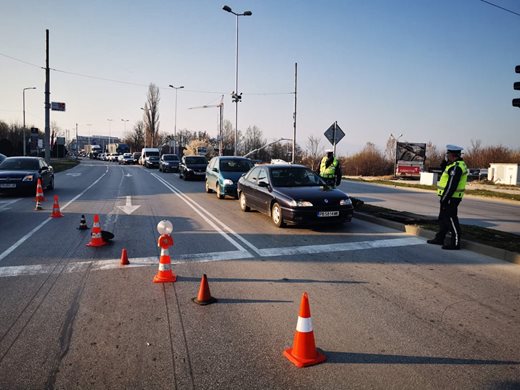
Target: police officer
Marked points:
330	169
450	189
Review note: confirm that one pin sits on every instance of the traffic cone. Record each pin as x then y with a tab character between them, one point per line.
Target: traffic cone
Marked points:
124	257
96	239
204	297
303	352
39	195
83	223
165	274
56	213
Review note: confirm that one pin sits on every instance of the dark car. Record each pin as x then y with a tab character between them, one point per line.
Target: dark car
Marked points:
223	172
293	194
135	156
192	167
2	157
22	174
169	162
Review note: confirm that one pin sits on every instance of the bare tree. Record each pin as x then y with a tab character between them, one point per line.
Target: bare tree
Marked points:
433	156
151	115
135	138
314	152
253	139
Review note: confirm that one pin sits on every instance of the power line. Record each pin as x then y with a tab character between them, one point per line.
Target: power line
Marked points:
19	60
502	8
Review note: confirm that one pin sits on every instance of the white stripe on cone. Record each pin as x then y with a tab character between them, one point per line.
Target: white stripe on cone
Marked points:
304	325
165	252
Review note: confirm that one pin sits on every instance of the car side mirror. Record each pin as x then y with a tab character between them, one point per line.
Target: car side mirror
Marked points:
263	184
44	169
215	169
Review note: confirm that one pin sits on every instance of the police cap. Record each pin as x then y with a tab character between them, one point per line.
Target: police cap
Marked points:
454	149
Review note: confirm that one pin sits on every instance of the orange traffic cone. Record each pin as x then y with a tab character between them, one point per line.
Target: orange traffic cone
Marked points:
124	257
304	352
96	239
165	274
204	297
56	213
39	195
83	223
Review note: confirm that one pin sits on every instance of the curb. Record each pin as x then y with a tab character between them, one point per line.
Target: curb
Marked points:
497	253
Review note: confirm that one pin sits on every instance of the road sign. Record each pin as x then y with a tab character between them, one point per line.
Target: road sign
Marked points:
57	106
334	133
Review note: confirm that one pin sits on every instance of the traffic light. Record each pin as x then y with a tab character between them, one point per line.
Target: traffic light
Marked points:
516	87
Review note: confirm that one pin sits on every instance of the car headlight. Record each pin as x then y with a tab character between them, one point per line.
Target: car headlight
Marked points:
227	182
28	178
345	202
300	203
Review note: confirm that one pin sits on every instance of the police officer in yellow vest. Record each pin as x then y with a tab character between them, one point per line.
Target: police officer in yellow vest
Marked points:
330	169
450	189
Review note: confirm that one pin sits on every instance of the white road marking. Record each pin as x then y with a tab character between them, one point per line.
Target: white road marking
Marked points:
128	208
75	174
8	251
5	203
103	265
340	247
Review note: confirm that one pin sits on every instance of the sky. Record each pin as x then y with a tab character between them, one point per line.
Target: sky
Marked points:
439	71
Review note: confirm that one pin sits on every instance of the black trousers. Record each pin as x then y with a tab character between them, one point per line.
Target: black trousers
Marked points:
449	222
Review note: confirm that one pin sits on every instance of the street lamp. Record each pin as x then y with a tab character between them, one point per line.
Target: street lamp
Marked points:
109	132
23	131
175	120
236	96
395	153
124	123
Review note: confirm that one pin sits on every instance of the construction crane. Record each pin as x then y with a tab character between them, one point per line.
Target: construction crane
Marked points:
221	120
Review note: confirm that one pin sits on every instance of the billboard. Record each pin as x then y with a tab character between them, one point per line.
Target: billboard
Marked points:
407	151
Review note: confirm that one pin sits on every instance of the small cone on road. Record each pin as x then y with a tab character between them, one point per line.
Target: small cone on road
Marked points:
303	352
96	239
56	213
83	223
124	257
204	297
165	273
39	195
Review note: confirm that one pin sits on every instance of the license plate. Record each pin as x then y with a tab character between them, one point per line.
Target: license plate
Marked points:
328	213
7	185
200	173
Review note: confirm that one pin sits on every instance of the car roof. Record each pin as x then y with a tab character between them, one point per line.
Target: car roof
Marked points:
283	166
24	158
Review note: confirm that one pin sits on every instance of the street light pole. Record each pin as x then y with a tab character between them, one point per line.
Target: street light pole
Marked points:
175	119
395	151
23	131
236	96
109	132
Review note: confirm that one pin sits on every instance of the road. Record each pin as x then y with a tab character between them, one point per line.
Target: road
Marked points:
501	215
388	310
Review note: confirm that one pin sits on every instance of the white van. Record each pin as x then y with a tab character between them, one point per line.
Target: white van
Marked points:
149	157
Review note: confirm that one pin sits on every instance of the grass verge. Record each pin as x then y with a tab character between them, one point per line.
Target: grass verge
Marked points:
63	164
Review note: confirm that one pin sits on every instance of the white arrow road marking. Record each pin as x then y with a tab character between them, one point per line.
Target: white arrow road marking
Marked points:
128	175
73	174
128	208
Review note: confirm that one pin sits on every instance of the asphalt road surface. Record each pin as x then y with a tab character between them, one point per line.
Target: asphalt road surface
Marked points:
495	214
389	311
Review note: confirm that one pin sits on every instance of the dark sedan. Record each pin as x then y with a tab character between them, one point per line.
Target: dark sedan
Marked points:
193	167
293	194
22	174
169	162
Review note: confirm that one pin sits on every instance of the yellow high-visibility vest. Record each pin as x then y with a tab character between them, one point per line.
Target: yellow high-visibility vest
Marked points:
459	192
330	171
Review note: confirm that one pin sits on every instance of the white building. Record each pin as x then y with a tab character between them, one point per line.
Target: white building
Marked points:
504	173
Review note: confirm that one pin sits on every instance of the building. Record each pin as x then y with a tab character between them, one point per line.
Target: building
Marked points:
504	173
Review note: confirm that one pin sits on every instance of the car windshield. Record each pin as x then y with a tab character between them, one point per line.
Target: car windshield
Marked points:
20	164
235	165
294	177
196	160
170	157
152	153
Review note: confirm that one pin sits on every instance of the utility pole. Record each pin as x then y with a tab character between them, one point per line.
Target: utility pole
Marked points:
294	115
47	136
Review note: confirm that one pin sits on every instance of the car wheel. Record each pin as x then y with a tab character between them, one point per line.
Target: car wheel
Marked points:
276	215
243	203
208	190
51	184
220	195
